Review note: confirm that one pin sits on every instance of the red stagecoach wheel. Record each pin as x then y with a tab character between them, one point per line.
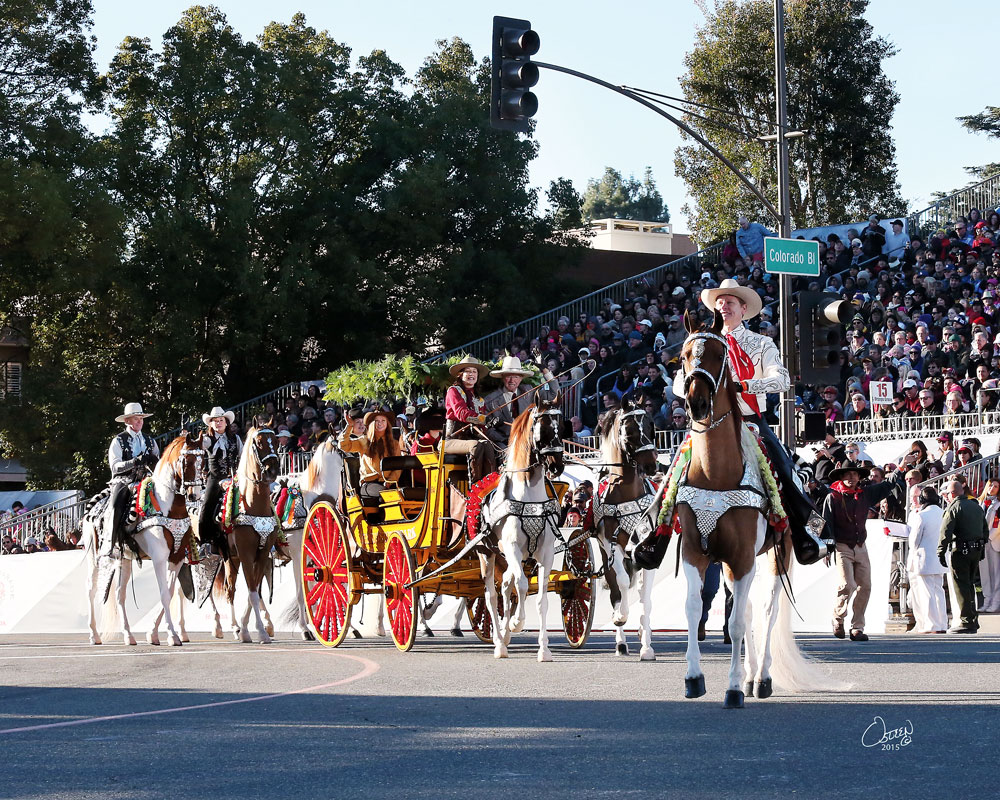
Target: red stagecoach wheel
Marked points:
400	602
577	596
326	575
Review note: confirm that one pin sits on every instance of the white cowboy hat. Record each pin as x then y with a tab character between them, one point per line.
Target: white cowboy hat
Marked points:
132	410
215	413
465	363
731	287
511	365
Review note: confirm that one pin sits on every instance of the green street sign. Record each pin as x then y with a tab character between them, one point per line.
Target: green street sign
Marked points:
791	256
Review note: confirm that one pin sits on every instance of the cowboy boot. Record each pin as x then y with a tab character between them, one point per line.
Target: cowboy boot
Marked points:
807	540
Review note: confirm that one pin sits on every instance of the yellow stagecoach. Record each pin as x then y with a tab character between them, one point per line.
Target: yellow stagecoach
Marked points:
412	543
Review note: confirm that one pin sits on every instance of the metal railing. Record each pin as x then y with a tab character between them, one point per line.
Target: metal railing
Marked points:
876	429
483	347
292	464
975	474
59	517
984	195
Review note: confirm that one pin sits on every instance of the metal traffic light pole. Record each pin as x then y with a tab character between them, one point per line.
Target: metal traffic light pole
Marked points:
788	350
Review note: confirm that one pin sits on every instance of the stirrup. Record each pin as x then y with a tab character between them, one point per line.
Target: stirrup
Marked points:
808	544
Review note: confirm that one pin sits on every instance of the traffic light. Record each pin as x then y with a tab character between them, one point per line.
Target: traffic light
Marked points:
822	317
512	105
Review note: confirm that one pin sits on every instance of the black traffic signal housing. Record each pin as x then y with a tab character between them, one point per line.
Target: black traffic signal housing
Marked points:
822	317
512	104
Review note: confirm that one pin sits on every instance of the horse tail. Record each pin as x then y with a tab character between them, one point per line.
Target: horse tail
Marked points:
111	617
790	667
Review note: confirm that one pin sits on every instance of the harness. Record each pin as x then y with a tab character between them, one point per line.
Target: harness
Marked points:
708	505
715	381
177	527
264	526
630	515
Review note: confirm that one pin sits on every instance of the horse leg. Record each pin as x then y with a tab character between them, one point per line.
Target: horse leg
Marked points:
694	680
232	574
456	622
90	543
295	545
217	630
737	630
646	579
253	575
179	594
617	564
547	547
158	551
266	614
487	565
515	580
124	576
749	640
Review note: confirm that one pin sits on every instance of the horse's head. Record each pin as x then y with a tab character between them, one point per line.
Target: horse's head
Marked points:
263	444
545	439
705	361
635	437
190	477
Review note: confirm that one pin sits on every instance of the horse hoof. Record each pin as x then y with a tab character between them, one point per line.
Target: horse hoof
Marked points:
647	654
185	638
764	689
130	640
457	632
734	699
619	619
748	688
237	635
500	651
153	640
544	656
245	637
694	687
621	649
265	639
308	636
174	641
269	629
517	626
217	633
95	639
380	631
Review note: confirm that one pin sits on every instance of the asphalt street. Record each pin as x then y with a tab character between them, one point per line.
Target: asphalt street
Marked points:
293	719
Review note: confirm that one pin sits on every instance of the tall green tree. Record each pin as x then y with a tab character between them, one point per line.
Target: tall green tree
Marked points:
611	195
60	243
986	121
844	168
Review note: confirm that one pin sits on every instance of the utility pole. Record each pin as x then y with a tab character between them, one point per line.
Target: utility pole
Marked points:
788	349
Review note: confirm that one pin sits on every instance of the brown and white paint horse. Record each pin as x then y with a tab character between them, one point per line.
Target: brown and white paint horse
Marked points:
256	528
163	539
722	466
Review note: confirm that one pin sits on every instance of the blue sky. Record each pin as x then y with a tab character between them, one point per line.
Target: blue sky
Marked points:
582	128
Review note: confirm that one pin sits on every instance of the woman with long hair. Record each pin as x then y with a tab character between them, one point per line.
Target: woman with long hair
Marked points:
376	443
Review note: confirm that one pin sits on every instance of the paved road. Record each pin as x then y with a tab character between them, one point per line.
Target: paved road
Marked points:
446	720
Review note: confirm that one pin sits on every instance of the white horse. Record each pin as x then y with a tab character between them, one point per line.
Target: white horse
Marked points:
161	537
525	520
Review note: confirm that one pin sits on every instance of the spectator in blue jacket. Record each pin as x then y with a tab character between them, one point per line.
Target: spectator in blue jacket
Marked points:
750	240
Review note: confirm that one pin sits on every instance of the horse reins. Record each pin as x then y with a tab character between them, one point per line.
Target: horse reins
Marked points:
716	382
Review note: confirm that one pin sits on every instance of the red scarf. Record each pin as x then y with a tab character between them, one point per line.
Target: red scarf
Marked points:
744	369
838	486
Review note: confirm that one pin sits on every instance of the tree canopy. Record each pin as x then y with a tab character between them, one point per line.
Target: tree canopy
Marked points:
986	121
844	168
611	195
256	212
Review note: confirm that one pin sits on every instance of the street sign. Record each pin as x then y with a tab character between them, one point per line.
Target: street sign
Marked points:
791	256
880	392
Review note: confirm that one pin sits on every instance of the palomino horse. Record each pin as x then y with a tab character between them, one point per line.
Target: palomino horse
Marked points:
525	520
721	506
621	510
255	529
161	536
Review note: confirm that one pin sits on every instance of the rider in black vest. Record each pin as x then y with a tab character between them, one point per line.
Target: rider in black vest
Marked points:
222	456
131	456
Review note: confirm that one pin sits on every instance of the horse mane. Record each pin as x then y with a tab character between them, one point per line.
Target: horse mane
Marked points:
519	444
611	452
243	469
171	453
314	471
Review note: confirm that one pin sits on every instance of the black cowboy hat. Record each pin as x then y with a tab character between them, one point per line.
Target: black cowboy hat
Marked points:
431	419
849	466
